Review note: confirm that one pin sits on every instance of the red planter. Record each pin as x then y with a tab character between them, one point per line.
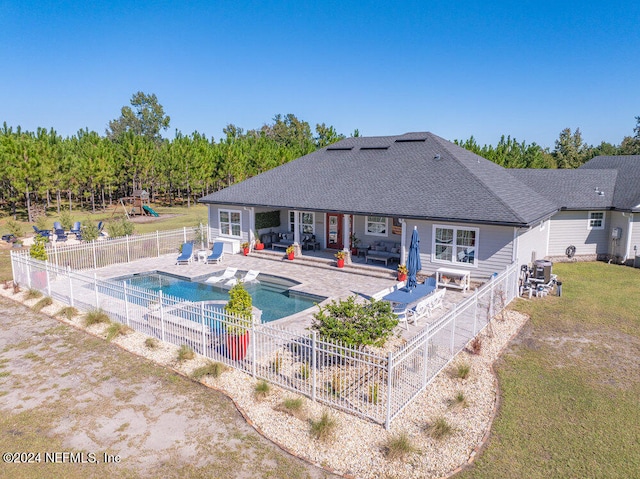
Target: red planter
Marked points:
340	263
290	256
402	276
237	345
259	246
245	251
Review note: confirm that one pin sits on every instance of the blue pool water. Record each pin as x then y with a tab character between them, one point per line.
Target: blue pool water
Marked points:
271	294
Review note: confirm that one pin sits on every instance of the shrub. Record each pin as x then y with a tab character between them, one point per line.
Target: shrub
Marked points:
117	329
37	249
89	230
41	222
210	369
15	228
293	404
440	428
68	312
33	294
356	324
261	390
44	302
475	346
323	428
65	220
151	343
121	227
462	371
399	446
185	353
96	316
239	305
459	401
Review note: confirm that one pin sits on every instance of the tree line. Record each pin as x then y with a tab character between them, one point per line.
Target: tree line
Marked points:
41	169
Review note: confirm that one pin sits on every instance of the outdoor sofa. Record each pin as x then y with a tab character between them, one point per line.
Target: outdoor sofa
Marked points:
383	251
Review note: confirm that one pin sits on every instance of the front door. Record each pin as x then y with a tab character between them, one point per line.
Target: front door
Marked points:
334	231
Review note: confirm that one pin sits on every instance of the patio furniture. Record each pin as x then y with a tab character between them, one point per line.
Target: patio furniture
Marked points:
405	296
217	253
250	277
57	226
76	228
61	235
401	310
383	251
186	256
100	226
228	274
284	241
310	242
453	278
426	306
43	233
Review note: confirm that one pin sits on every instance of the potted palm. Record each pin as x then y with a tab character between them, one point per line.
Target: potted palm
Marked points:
245	248
340	256
290	252
354	244
239	307
402	272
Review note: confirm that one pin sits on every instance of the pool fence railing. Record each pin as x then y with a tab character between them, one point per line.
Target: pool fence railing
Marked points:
357	380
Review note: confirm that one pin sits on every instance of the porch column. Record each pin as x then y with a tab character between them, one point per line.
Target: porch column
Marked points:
346	237
403	242
296	233
252	224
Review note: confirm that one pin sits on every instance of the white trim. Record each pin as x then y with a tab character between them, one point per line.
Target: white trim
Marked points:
590	219
546	253
366	226
300	223
454	256
230	234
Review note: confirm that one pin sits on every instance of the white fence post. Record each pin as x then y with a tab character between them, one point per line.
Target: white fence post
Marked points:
161	314
93	247
425	361
158	242
128	252
70	286
184	234
126	302
95	288
475	312
314	365
453	329
55	253
28	273
204	335
387	421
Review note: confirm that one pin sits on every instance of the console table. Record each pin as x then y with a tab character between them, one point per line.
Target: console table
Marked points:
453	278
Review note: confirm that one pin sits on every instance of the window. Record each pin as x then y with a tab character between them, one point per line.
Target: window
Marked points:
230	222
455	245
377	226
307	222
596	220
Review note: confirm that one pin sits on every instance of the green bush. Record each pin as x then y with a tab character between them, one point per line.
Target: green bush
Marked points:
121	227
96	316
33	294
117	329
42	223
37	249
68	312
89	230
261	390
439	428
46	301
185	353
65	220
399	446
214	369
323	428
240	305
15	228
354	323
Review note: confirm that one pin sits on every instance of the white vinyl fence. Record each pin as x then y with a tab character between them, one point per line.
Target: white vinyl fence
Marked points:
355	380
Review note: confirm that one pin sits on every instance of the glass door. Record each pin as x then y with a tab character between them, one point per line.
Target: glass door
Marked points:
334	231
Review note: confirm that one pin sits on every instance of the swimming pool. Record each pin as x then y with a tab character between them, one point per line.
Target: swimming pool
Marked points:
271	294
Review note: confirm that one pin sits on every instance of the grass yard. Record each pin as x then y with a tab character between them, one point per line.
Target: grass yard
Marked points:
570	383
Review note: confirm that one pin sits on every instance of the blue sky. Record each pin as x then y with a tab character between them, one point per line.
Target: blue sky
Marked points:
523	68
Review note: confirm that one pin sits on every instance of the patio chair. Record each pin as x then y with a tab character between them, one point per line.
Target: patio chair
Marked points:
75	229
100	226
186	256
57	226
61	235
250	277
228	274
217	253
44	233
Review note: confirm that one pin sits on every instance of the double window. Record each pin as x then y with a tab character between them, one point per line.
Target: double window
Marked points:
455	245
377	226
230	222
596	220
307	222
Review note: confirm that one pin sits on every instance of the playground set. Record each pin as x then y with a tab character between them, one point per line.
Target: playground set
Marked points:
136	204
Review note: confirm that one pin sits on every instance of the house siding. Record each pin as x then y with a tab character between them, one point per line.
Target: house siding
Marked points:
532	243
617	247
214	222
570	228
635	237
495	248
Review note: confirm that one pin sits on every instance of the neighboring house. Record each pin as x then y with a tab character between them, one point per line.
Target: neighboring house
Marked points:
471	213
599	207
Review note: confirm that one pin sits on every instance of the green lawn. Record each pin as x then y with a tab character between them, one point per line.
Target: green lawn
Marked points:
570	383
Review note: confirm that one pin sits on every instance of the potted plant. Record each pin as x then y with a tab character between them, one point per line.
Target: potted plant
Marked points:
258	245
245	248
240	310
290	252
402	272
354	244
340	256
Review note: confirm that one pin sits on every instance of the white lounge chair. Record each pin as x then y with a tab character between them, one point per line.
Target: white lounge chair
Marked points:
228	274
250	277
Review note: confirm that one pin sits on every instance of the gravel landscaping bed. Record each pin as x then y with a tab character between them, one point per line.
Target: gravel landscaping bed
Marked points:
356	447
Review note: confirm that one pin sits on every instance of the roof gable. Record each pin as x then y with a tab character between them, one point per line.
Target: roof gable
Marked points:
627	187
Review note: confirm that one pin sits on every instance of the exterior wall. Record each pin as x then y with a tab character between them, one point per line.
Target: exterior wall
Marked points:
617	248
494	248
635	238
531	243
359	229
214	222
570	228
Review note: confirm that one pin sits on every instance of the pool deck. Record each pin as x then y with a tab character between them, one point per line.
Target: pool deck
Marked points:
316	276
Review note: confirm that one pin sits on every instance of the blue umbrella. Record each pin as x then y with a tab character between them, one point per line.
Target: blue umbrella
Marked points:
413	260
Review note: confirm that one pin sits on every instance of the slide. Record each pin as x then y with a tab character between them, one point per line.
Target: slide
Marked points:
149	210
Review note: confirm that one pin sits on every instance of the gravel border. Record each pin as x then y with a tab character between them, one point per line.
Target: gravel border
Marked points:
357	447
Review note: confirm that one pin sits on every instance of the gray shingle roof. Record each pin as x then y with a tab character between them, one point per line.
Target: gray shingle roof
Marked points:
627	190
416	175
572	189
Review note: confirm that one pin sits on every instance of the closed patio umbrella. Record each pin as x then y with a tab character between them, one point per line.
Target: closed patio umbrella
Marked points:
413	260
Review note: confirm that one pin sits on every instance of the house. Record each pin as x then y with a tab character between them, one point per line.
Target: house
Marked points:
599	207
471	213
